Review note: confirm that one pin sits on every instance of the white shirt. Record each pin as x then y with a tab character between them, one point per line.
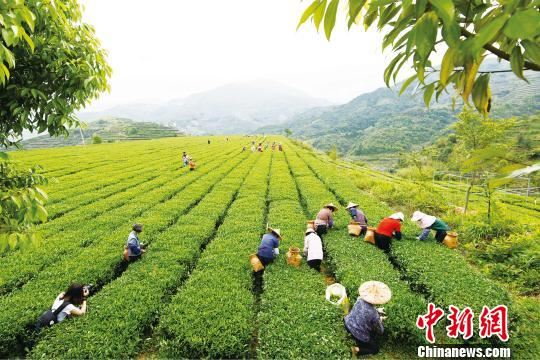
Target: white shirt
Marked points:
313	247
65	312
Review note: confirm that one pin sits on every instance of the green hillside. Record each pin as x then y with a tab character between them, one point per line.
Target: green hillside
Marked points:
381	123
109	130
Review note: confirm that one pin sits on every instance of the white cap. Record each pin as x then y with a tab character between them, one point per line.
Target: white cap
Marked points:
398	216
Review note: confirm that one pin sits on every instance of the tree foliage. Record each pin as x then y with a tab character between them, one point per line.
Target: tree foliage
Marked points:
466	31
21	204
51	64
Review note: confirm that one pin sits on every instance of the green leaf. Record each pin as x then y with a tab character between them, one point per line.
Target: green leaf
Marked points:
425	34
390	68
532	51
330	18
419	8
319	14
308	12
445	9
428	93
355	6
489	31
451	33
517	62
406	84
447	65
481	94
523	25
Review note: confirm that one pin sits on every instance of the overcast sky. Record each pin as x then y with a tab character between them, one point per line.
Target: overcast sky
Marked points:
164	49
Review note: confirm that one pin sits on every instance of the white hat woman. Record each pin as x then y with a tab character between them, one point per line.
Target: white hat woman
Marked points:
364	322
325	219
313	249
428	223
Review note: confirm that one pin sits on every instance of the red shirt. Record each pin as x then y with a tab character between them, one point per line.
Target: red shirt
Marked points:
388	226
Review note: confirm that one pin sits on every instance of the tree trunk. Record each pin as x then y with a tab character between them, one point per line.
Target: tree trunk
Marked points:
467	195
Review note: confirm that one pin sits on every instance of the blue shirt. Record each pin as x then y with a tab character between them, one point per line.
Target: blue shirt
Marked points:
364	322
268	243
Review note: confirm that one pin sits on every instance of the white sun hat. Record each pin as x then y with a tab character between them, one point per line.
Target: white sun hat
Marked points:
398	216
423	220
375	292
351	205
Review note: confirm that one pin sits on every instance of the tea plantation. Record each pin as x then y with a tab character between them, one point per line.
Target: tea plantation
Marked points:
192	294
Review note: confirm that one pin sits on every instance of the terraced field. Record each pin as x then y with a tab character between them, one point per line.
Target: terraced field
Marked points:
192	294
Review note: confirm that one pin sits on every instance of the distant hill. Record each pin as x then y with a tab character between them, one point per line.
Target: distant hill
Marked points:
232	108
381	123
112	129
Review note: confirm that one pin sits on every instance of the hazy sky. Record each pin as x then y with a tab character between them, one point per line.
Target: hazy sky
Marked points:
164	49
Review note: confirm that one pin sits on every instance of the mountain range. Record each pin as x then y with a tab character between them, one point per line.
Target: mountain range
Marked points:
228	109
382	123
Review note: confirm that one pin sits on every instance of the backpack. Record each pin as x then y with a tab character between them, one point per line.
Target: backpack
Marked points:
49	317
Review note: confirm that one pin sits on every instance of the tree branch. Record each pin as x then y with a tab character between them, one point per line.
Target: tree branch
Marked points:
501	54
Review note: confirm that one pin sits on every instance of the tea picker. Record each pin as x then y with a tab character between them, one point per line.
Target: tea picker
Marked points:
325	219
388	228
313	249
364	322
428	223
358	220
133	249
266	253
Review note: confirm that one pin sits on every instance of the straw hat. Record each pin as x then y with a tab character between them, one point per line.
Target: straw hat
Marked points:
398	216
331	206
351	205
275	231
375	292
309	230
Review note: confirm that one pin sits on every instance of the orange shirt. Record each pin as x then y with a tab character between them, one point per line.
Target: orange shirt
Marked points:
388	226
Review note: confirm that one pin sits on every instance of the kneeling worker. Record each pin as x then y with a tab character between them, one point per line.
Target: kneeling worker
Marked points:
428	223
389	227
313	249
364	322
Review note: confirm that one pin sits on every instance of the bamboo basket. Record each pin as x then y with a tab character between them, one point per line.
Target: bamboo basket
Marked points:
354	228
256	263
370	235
451	240
293	256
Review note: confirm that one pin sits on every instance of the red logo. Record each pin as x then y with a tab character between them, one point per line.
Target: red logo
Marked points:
429	320
494	322
491	322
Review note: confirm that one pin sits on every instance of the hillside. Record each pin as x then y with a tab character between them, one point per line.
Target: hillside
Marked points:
200	227
232	108
110	130
382	123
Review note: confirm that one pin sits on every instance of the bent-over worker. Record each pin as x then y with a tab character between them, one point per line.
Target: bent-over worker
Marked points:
269	247
358	216
364	322
428	223
325	219
192	165
389	227
313	249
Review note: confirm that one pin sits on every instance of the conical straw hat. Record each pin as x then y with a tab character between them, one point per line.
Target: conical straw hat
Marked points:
331	206
275	231
375	292
351	205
